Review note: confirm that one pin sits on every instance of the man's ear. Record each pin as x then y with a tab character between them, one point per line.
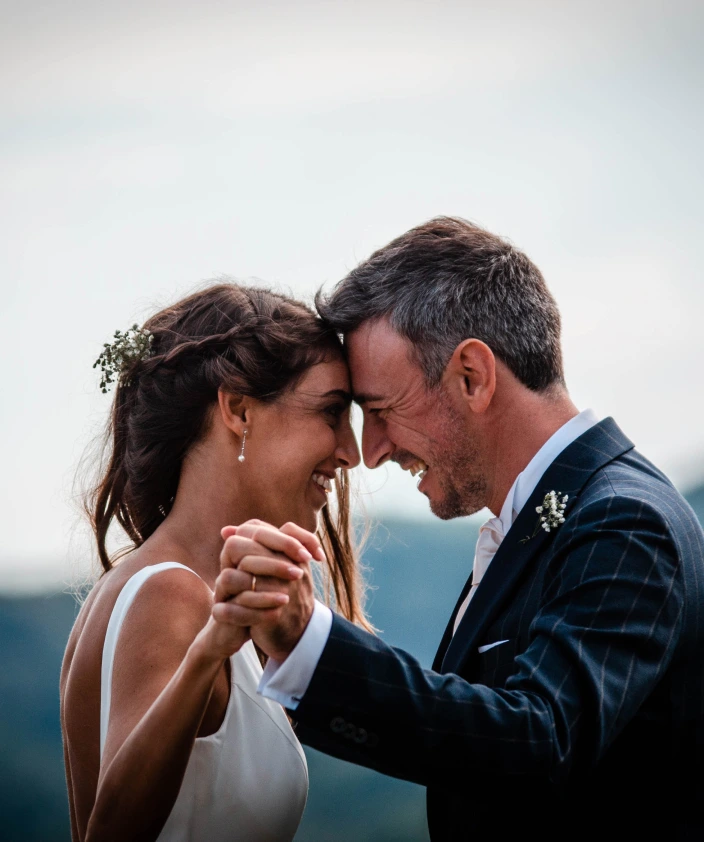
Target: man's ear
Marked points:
471	372
235	411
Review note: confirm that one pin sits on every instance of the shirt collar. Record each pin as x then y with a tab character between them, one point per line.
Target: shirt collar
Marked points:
525	482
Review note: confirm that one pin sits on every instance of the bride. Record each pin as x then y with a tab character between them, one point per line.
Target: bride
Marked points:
230	405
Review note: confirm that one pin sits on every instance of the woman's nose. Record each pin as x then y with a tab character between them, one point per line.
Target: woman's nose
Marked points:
347	452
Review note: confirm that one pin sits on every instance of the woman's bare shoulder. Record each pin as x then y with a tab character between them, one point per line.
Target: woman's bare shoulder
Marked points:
172	601
166	614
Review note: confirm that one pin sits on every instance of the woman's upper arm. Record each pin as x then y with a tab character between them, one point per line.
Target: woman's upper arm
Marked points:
166	615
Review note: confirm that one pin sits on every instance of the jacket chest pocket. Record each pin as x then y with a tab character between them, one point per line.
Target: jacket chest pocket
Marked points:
507	636
500	645
496	663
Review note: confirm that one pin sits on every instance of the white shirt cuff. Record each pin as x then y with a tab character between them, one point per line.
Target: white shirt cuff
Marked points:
287	681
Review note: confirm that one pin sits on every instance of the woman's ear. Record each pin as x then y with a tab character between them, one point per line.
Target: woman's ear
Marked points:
472	372
235	411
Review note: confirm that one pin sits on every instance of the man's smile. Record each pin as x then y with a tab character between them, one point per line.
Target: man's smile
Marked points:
414	465
419	467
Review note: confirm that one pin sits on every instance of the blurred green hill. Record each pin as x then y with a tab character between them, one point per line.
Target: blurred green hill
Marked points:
415	571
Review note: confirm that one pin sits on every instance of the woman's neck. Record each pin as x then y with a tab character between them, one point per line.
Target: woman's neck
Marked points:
207	499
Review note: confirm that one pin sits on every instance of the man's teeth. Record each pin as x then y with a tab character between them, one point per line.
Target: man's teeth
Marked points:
418	467
323	481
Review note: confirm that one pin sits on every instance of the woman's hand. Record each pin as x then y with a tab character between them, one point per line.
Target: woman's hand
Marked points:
279	559
226	632
290	540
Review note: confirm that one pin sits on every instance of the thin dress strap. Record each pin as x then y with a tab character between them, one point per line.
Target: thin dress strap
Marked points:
120	609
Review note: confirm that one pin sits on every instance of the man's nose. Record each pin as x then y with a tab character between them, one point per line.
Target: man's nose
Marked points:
376	445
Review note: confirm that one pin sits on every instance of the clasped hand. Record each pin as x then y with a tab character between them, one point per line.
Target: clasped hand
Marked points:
265	583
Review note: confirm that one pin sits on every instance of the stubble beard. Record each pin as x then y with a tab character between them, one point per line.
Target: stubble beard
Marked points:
462	495
461	477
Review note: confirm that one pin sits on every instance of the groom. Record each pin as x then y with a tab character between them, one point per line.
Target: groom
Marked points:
566	699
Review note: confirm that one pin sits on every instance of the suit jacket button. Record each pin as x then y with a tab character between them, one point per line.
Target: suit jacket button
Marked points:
350	731
338	725
360	737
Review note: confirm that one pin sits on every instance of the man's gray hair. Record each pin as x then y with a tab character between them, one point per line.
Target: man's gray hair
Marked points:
449	280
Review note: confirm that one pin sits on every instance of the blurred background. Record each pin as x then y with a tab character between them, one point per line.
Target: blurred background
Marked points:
148	146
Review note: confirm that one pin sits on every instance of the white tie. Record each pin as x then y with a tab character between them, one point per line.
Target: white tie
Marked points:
491	534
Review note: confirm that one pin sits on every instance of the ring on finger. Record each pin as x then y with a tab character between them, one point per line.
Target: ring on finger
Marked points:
253	586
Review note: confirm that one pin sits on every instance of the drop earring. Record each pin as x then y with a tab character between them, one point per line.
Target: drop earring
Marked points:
240	458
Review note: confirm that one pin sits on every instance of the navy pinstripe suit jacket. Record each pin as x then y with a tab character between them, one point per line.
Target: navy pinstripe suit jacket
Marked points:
588	723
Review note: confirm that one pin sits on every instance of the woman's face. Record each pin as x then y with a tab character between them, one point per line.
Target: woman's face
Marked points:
295	446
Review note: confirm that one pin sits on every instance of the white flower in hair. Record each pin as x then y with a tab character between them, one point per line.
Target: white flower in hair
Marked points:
118	356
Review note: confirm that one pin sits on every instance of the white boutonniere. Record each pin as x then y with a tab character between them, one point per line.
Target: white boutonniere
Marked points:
552	513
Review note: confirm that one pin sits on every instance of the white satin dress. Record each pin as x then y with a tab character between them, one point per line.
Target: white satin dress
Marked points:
248	782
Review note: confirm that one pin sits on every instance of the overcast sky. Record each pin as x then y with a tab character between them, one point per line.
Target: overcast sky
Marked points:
147	147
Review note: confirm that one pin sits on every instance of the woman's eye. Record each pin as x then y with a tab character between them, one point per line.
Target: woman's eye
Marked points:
336	410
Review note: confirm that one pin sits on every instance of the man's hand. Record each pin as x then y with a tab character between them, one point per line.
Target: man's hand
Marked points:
279	559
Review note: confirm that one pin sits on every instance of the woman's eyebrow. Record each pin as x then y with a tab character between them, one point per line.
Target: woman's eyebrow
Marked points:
338	393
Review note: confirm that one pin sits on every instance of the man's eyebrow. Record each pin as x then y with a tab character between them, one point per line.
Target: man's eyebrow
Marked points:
363	398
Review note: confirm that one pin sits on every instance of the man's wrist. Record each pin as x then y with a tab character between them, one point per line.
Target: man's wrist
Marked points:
279	643
302	626
285	681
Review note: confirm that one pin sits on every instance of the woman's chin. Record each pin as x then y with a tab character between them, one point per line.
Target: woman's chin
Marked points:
306	517
310	520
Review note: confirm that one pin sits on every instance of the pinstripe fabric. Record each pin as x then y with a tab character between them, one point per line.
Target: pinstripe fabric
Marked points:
589	719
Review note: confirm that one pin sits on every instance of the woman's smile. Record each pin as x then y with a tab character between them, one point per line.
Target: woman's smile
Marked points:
322	485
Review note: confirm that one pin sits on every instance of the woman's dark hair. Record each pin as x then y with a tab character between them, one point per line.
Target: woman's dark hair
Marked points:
248	341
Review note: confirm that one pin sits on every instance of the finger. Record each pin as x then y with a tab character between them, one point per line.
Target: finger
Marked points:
260	599
255	522
274	539
233	581
237	546
227	532
237	615
310	541
271	567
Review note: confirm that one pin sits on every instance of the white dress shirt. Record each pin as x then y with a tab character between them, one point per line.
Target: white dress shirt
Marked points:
492	533
287	681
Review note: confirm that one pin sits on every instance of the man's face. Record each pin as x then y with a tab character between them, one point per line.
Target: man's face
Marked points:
420	429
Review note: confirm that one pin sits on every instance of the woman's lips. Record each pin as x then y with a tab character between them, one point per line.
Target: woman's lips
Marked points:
322	481
322	484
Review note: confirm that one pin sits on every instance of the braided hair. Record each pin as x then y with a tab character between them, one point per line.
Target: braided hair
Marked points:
250	341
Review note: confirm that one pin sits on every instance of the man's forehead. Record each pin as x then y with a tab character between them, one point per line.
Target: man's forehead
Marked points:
379	361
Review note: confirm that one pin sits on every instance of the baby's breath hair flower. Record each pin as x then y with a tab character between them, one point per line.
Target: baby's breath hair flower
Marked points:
118	356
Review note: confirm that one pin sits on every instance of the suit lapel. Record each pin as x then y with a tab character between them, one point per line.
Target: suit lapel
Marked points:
568	474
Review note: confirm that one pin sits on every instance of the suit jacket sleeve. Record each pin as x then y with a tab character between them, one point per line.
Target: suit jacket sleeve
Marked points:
608	624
